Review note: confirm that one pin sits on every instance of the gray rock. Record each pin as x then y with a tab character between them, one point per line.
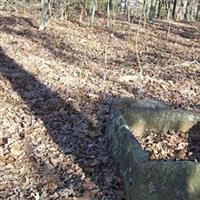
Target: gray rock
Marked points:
145	179
155	116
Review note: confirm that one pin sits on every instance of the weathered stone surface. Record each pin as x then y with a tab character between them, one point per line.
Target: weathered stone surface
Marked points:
145	179
154	116
164	180
130	103
123	142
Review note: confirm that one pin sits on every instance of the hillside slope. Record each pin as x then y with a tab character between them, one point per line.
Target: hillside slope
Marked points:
56	89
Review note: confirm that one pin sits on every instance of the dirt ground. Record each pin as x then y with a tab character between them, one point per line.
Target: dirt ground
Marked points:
56	88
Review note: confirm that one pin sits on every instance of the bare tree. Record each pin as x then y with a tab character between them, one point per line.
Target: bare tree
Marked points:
108	13
94	5
44	14
174	9
198	11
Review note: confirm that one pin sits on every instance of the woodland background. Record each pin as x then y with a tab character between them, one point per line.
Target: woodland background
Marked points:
188	10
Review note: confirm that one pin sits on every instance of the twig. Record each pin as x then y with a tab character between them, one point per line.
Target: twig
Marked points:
106	58
108	13
50	7
60	11
168	31
9	4
185	64
136	45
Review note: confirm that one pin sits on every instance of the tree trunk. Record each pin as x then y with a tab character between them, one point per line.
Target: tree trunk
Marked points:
174	9
108	13
125	6
93	11
198	11
153	9
82	11
44	14
169	10
128	11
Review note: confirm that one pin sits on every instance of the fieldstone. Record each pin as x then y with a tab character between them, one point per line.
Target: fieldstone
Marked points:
145	179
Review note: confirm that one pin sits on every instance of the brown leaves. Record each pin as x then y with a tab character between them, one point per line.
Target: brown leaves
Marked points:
166	146
60	152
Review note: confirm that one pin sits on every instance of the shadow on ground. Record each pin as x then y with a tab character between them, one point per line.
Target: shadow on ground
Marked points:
54	44
55	114
14	21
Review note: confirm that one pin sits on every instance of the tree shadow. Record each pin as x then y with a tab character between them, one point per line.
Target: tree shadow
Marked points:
60	50
162	37
194	143
14	21
182	29
54	44
64	123
47	41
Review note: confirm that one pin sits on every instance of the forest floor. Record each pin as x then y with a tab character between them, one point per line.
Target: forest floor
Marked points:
56	89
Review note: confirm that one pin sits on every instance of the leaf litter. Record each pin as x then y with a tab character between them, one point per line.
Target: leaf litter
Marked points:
55	105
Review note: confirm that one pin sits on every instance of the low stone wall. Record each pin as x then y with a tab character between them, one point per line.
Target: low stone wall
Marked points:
145	179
